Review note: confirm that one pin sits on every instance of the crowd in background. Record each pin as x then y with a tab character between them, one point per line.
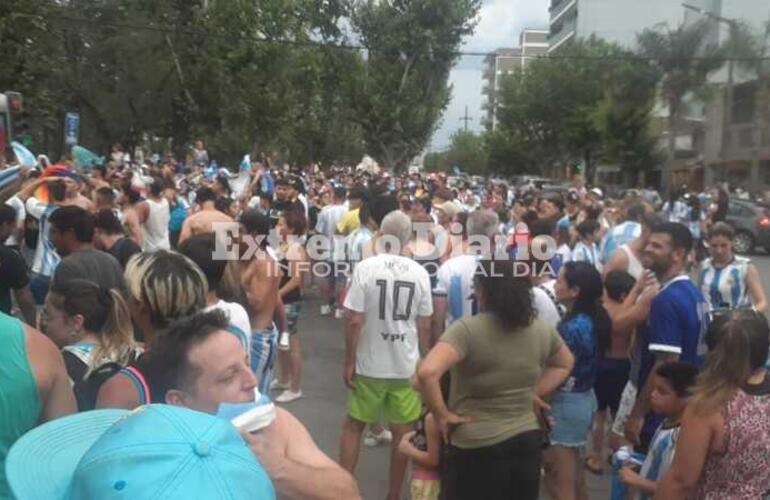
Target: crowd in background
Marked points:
496	335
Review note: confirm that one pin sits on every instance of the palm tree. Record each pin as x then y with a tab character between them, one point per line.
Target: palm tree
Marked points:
684	59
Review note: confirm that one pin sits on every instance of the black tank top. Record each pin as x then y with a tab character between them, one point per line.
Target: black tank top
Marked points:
295	295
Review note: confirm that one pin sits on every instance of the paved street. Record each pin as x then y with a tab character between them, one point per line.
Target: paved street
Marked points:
323	406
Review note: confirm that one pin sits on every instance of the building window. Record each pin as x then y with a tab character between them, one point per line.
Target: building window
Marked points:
743	104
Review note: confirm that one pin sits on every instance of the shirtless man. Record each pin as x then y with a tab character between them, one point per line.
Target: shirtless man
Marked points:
200	364
98	179
131	198
261	279
203	220
73	196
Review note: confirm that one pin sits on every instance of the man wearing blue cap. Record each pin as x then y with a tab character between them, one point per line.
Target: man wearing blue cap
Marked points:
157	452
199	365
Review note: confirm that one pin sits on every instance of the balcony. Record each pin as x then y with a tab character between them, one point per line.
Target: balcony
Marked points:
740	141
559	36
558	10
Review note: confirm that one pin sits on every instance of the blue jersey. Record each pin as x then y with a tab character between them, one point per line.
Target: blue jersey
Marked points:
725	287
564	223
579	335
676	324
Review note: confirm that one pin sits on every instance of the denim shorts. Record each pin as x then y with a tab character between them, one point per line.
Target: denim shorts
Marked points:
573	414
292	316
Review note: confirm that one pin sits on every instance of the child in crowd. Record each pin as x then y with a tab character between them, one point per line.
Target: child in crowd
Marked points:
672	382
423	446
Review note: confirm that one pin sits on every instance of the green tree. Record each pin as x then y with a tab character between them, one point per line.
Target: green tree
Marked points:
684	59
241	75
435	161
588	103
402	86
468	152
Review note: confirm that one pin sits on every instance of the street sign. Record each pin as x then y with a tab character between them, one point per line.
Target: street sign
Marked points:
71	129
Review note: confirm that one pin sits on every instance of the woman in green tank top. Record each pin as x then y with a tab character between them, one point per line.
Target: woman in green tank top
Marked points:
20	403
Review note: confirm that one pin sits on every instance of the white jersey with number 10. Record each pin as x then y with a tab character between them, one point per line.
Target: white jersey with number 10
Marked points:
391	291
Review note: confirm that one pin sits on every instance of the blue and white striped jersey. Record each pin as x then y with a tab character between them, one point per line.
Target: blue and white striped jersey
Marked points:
46	258
616	237
725	287
586	253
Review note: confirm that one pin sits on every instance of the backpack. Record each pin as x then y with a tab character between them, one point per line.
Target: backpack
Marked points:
86	388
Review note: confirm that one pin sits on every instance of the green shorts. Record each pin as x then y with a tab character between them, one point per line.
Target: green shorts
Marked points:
383	400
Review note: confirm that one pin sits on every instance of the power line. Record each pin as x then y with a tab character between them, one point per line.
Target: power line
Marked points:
361	48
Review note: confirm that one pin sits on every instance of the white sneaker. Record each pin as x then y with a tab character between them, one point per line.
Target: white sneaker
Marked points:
372	440
339	314
384	437
326	310
277	385
369	440
283	341
288	396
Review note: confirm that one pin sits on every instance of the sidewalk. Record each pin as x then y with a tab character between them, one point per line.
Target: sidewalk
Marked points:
322	408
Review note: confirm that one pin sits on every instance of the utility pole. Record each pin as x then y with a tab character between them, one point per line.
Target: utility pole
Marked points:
466	119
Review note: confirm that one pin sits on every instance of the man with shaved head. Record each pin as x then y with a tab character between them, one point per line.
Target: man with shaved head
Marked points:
388	307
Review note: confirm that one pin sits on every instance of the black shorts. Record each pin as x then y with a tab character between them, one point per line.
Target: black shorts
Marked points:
611	378
507	470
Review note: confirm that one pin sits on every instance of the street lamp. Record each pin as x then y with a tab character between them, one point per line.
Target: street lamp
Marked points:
733	26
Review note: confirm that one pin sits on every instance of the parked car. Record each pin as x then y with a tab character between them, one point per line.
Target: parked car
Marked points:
557	187
751	222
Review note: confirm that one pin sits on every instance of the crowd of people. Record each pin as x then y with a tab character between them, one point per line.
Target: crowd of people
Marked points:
503	340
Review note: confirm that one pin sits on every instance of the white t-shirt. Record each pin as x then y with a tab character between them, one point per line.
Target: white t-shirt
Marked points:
21	214
392	291
253	202
545	307
238	318
454	280
549	288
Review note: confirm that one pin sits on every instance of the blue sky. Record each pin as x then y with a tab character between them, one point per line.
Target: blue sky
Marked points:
500	22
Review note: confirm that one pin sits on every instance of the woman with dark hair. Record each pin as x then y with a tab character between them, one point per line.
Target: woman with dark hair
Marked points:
675	210
729	281
586	329
291	227
502	362
720	202
722	448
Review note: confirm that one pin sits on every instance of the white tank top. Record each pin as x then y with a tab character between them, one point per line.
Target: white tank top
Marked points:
155	228
635	267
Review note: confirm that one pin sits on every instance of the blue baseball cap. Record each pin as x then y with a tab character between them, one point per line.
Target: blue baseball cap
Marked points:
156	451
